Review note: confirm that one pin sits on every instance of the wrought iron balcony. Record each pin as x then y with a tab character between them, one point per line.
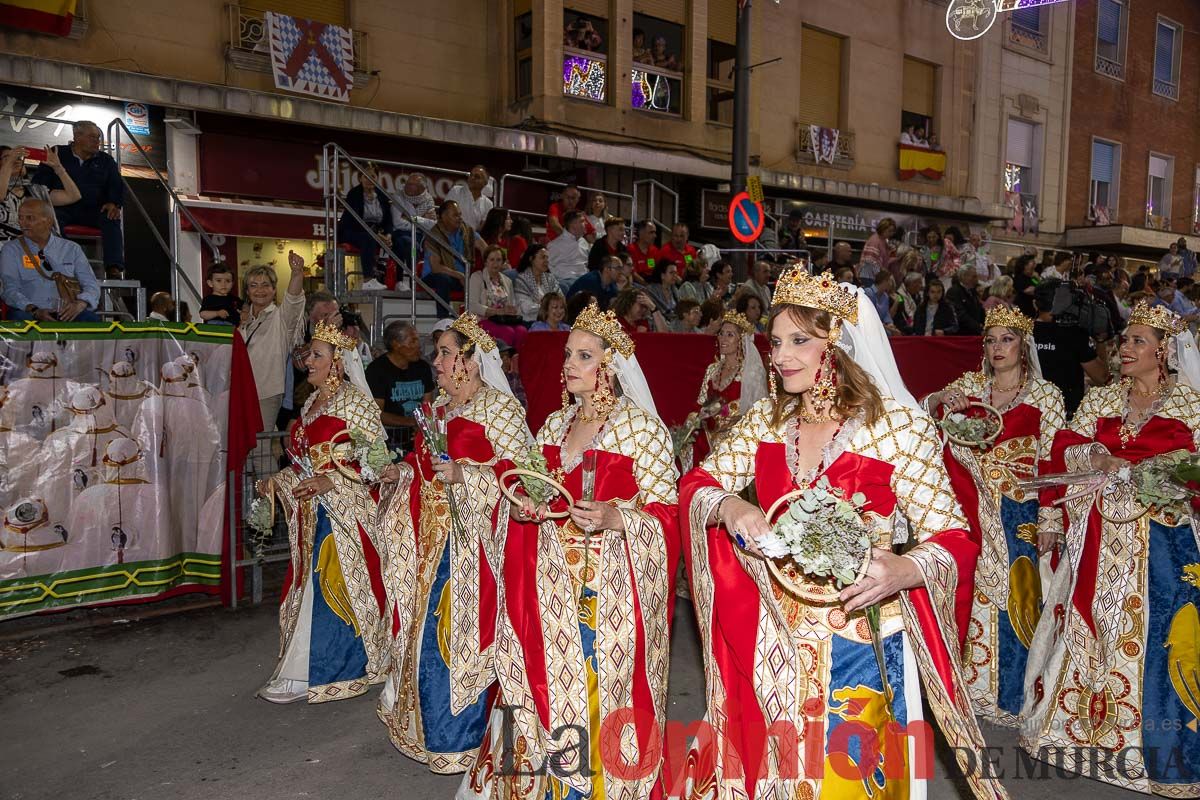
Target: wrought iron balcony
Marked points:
1166	89
843	156
1110	68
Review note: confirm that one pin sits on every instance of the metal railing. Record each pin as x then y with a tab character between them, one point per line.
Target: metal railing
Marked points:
247	549
653	190
115	128
335	277
504	179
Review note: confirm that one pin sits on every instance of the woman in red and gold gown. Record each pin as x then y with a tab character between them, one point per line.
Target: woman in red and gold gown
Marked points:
1115	664
436	700
584	601
781	662
338	600
1004	519
734	382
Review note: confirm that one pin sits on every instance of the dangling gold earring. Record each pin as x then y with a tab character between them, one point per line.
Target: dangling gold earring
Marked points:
824	391
603	398
771	385
1160	353
566	397
459	373
333	380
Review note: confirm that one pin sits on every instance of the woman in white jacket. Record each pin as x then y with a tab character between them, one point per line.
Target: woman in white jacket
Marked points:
270	331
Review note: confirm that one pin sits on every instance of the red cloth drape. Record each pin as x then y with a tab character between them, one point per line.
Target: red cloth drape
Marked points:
244	426
674	365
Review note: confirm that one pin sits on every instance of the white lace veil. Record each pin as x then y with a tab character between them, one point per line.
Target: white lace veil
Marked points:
754	375
1184	358
867	343
633	383
491	370
353	367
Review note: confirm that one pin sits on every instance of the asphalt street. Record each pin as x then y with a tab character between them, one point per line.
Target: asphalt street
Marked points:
164	708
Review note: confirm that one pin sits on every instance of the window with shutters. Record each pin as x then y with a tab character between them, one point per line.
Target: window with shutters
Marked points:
1112	20
820	78
585	50
658	60
1106	167
1158	192
919	99
1020	161
1029	28
1168	51
722	39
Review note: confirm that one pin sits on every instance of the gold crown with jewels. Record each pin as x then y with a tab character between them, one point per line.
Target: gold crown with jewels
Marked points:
797	288
1008	318
605	325
1159	317
330	334
734	318
468	326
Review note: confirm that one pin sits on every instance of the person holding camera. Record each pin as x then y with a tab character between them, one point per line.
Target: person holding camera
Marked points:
1064	349
14	179
46	277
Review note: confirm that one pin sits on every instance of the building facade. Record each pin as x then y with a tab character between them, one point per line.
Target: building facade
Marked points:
1134	170
632	97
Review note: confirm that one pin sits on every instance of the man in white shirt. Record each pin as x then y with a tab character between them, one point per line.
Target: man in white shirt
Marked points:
162	306
569	251
471	200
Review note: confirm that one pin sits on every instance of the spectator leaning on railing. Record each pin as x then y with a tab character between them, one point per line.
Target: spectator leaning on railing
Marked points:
44	276
100	185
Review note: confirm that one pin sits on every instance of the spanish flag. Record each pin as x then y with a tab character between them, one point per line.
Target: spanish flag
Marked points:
44	16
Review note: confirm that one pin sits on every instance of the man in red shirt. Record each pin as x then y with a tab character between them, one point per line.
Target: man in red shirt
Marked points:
678	249
642	249
568	202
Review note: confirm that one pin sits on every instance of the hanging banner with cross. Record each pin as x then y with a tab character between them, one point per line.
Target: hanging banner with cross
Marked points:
311	57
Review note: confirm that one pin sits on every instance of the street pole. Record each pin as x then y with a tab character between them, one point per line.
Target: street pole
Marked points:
741	101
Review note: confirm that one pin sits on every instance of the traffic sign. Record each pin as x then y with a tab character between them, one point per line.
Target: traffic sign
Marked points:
745	218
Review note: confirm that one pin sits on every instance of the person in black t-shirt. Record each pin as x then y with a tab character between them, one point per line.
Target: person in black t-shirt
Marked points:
222	306
400	381
1065	352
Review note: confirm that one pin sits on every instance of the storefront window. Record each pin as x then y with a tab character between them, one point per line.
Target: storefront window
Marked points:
657	75
585	63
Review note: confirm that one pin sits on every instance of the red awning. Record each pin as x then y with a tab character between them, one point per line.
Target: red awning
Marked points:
259	218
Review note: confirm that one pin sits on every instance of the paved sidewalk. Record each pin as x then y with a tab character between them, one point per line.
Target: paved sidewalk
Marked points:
164	709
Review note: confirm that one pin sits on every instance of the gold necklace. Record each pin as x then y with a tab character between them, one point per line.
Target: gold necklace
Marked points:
1155	392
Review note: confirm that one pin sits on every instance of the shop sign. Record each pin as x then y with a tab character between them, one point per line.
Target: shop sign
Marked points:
19	104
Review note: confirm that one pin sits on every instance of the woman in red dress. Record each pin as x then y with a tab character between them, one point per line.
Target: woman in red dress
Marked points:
584	600
436	700
338	602
1114	666
733	383
792	656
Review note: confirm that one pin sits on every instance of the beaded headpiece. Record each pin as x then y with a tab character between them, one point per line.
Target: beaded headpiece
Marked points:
734	318
605	325
329	334
1159	317
468	326
797	288
1008	318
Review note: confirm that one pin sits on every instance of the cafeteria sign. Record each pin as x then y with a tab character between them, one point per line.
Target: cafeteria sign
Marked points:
970	19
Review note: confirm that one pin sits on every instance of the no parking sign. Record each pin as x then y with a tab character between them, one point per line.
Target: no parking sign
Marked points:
745	218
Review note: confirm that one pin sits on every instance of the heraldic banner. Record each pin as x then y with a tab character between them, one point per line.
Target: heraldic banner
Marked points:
116	440
311	57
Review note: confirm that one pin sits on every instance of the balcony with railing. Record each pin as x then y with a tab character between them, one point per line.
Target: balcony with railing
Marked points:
249	48
1110	68
830	146
1167	89
1027	37
913	161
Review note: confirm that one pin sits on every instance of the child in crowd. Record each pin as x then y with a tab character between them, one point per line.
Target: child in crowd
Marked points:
222	306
